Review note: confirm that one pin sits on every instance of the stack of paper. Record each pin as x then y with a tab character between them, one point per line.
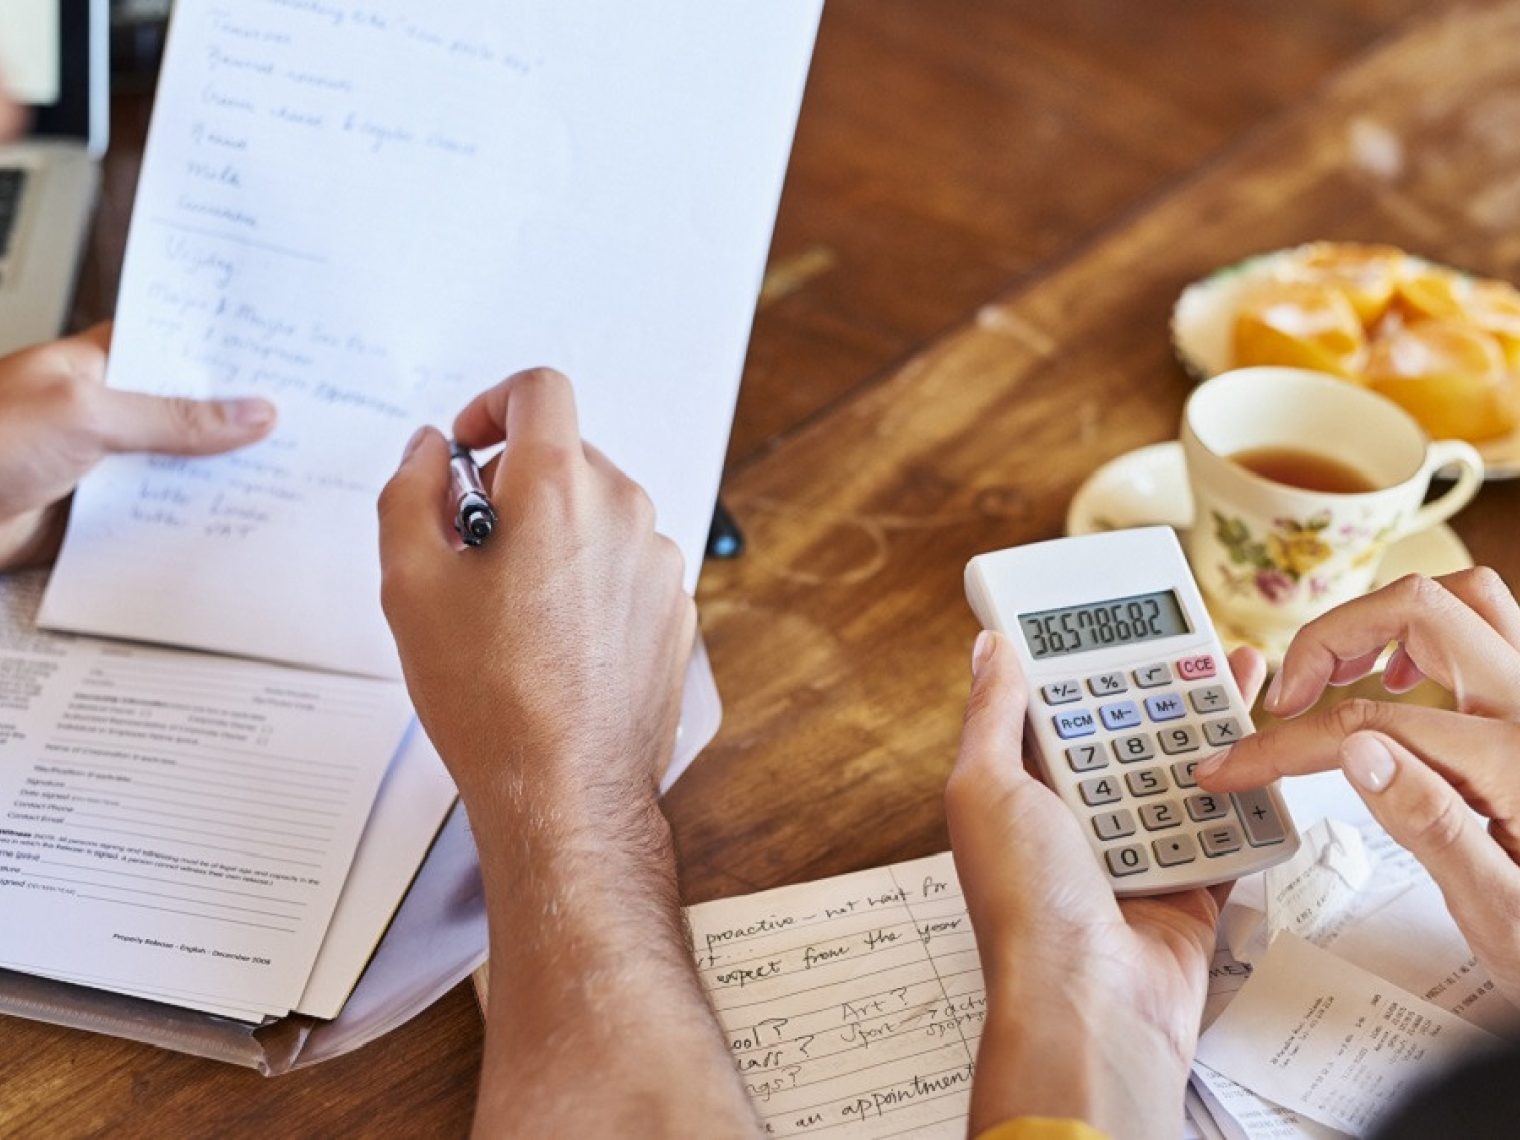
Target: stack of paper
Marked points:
367	214
179	826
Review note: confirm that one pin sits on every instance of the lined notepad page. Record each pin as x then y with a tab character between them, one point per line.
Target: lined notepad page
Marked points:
853	1005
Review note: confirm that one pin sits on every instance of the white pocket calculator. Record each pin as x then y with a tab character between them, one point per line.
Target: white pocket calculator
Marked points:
1128	690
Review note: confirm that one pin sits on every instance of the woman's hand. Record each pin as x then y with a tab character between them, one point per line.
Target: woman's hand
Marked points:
58	419
1423	772
1093	1005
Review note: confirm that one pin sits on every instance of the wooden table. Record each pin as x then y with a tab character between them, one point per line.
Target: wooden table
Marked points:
991	209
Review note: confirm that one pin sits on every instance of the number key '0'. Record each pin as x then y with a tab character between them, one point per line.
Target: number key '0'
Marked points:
1127	861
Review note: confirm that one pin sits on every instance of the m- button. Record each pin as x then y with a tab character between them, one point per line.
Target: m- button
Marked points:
1196	668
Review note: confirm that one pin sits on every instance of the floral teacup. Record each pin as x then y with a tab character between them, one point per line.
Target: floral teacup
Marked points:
1270	556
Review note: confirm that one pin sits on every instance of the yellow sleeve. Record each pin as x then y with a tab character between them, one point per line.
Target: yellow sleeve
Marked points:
1042	1128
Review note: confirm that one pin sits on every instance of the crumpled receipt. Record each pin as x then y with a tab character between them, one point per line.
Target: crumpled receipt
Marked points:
1323	889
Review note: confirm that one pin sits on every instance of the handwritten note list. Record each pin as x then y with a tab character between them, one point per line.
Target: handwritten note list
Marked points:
852	1006
367	212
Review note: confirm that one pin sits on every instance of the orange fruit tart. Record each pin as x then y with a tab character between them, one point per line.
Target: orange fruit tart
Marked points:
1301	325
1450	376
1366	274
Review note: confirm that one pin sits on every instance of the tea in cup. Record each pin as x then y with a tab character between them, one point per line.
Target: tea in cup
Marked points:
1300	482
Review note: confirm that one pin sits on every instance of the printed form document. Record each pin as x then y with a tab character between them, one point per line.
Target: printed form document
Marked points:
177	826
585	185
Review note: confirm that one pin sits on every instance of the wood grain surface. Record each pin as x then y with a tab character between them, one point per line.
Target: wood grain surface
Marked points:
991	209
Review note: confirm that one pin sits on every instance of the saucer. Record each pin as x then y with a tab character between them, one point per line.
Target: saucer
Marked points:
1149	486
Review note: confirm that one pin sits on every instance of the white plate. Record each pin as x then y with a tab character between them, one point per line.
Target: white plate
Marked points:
1203	322
1149	485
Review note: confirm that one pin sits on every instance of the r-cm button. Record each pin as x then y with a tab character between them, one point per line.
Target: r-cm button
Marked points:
1076	722
1196	668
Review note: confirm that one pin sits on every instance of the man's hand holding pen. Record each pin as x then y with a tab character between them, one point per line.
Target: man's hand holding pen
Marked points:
575	602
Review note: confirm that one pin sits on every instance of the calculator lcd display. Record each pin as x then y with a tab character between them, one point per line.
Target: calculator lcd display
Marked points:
1099	625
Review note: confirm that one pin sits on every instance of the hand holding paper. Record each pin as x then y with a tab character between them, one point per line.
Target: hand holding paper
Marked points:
1422	772
58	419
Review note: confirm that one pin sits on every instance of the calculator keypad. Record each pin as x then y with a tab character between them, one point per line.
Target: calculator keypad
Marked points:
1150	810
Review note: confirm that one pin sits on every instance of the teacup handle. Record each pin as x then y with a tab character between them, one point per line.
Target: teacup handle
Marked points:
1441	454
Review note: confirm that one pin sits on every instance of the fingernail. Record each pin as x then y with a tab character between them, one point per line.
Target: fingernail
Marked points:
248	413
1274	693
981	651
1368	762
414	443
1212	764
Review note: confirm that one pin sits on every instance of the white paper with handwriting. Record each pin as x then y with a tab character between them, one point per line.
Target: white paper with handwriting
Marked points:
853	1005
581	184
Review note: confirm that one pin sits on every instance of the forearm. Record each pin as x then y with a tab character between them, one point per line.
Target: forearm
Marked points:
597	1023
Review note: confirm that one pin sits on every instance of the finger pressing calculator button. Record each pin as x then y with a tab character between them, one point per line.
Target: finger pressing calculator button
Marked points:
1061	692
1146	782
1103	790
1197	668
1127	861
1209	698
1132	749
1263	825
1077	722
1182	772
1222	840
1086	757
1183	738
1174	849
1158	817
1165	706
1222	732
1114	824
1120	714
1205	807
1152	676
1107	684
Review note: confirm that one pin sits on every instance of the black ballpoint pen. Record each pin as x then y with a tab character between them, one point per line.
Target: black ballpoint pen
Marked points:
474	517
